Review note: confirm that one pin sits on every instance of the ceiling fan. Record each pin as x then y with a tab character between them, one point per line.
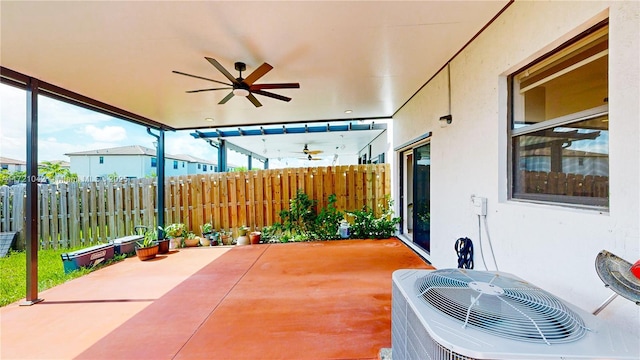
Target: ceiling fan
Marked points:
306	151
244	87
311	157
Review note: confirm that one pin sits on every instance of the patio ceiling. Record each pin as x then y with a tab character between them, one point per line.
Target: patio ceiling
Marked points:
368	57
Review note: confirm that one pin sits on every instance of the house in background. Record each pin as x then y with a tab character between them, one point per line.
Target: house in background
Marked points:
133	161
196	165
12	164
63	164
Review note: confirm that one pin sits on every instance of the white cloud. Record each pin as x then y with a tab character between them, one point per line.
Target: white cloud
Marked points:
183	143
110	134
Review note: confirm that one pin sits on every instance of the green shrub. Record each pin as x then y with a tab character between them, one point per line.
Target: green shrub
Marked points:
298	222
365	225
328	220
301	222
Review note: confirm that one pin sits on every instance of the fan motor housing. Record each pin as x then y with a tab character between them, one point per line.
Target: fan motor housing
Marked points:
466	314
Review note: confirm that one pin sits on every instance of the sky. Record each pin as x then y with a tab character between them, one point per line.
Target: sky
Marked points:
65	128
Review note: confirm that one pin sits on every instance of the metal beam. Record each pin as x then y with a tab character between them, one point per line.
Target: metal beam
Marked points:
31	226
219	133
244	151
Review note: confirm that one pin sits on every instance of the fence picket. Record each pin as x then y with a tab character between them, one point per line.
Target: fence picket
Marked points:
93	212
43	229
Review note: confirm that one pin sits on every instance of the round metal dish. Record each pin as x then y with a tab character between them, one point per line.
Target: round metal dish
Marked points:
616	274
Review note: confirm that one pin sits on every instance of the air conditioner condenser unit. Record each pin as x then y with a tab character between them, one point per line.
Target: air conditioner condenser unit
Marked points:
466	314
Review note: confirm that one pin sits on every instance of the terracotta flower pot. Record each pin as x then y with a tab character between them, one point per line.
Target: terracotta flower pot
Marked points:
163	246
147	253
255	237
192	242
226	240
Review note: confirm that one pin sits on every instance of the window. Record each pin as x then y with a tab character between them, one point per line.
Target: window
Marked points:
560	124
5	167
175	164
204	168
198	166
183	164
101	160
154	162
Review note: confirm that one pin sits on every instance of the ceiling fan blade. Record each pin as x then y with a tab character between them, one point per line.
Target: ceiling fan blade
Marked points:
314	152
274	86
200	77
201	90
272	95
258	73
221	68
226	98
253	100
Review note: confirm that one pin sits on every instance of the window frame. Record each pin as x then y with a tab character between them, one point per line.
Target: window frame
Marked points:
514	133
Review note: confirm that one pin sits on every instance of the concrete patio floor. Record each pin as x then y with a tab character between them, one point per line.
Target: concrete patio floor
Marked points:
315	300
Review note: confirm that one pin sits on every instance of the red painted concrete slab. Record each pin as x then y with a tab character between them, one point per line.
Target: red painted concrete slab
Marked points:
316	300
324	300
77	314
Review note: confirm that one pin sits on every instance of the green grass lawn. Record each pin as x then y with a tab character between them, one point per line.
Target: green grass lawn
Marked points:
13	273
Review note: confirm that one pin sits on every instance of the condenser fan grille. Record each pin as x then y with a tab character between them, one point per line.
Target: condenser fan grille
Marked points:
500	305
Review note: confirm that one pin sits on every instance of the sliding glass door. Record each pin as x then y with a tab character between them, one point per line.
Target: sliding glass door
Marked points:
415	195
422	196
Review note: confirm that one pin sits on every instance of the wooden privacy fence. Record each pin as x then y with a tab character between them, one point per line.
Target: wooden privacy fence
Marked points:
558	183
73	214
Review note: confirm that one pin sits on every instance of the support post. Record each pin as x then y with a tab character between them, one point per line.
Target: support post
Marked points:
31	226
159	180
160	187
249	162
222	156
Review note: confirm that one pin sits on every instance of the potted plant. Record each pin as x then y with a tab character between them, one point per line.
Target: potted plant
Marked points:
209	236
243	230
254	236
206	229
214	238
243	239
176	233
148	247
226	238
163	242
191	240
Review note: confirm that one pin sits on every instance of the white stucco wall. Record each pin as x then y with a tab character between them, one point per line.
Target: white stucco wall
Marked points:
379	145
553	247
